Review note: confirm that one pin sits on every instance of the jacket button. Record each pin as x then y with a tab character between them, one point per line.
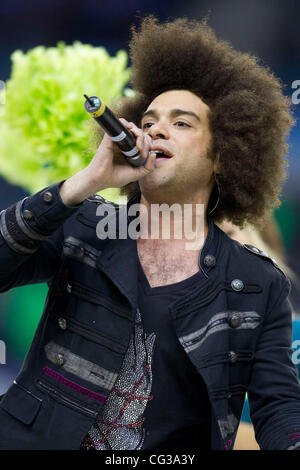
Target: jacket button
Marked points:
47	196
62	323
234	320
237	284
275	262
263	253
232	356
27	214
69	288
209	261
59	359
79	252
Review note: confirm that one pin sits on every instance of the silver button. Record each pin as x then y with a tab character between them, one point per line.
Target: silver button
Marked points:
69	288
62	323
234	320
79	251
237	284
209	261
59	359
232	356
263	253
47	196
27	214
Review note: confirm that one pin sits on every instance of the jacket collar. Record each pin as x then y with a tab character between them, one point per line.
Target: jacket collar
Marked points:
119	260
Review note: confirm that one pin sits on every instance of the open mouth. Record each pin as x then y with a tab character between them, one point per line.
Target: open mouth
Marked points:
161	154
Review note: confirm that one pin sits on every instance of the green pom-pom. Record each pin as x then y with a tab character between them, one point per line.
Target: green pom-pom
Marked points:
44	128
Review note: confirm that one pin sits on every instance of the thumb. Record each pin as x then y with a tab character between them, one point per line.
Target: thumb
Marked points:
106	142
149	165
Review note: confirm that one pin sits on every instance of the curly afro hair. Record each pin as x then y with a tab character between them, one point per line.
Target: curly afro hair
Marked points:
250	118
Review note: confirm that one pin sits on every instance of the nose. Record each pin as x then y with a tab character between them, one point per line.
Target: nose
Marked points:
158	131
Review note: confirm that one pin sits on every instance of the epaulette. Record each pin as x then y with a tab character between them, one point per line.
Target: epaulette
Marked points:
262	254
96	198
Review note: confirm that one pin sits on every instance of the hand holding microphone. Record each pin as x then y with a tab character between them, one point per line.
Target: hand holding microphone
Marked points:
132	141
114	128
108	169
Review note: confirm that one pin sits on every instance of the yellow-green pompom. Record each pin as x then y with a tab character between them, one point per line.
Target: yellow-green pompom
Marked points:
44	132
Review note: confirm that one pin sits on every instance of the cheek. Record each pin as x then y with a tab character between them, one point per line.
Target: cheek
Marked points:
194	163
197	143
195	152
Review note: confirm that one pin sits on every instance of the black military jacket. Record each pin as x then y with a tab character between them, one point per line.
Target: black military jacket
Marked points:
90	360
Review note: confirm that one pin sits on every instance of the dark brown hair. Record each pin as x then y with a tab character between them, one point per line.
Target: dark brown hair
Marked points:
250	117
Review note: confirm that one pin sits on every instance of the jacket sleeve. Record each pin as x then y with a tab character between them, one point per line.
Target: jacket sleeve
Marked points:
31	238
274	391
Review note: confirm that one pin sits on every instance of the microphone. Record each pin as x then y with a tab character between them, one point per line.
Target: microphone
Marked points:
114	128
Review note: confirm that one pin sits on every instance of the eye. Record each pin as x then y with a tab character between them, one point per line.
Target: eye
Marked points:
182	124
147	125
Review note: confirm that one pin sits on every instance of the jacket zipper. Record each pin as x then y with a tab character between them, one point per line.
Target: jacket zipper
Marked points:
65	400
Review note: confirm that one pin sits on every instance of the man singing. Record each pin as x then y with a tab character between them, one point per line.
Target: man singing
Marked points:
152	342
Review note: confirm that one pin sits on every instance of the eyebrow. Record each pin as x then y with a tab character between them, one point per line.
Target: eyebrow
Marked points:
172	113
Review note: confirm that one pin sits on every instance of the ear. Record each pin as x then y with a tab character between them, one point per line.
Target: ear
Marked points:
217	166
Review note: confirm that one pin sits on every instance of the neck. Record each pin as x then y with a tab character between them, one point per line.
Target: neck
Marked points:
181	222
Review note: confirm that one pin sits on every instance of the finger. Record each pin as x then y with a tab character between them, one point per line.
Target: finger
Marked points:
148	143
139	143
142	144
144	150
135	129
123	121
148	140
127	124
150	163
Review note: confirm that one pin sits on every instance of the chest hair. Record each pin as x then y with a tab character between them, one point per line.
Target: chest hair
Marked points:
165	265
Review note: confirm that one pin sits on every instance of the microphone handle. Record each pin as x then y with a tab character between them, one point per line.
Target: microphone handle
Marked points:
113	127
